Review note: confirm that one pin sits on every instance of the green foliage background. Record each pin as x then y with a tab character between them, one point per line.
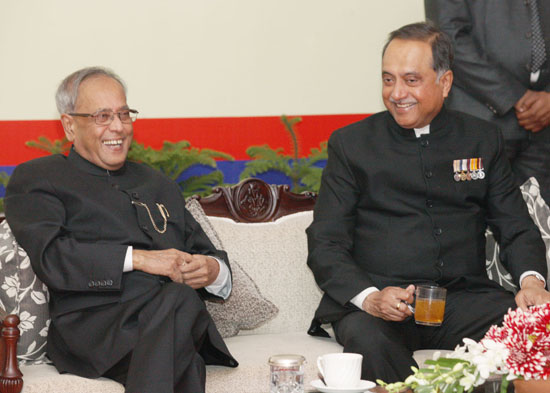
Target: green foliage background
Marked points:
174	158
303	173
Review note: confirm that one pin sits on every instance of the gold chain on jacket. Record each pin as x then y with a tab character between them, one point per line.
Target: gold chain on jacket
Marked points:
163	212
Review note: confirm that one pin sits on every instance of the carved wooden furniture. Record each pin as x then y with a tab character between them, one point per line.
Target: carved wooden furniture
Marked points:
252	201
11	379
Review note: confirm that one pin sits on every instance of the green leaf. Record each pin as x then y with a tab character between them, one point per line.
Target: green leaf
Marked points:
289	124
201	185
255	167
4	179
446	362
504	384
176	157
423	389
57	146
312	180
301	171
265	152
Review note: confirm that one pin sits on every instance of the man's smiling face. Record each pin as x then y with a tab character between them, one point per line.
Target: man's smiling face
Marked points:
104	145
411	90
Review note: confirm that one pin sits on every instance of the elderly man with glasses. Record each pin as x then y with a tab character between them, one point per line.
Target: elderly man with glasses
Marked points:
126	265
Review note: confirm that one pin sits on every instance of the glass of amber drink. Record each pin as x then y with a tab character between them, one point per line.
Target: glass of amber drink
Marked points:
429	305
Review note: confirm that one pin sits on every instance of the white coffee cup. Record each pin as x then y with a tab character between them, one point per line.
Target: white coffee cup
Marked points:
340	370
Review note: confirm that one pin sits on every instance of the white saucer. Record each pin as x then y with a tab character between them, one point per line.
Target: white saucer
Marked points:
363	386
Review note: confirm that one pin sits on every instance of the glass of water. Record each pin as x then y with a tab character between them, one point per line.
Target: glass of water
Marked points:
287	374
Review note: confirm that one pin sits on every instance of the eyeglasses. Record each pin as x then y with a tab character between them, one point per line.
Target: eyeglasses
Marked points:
106	117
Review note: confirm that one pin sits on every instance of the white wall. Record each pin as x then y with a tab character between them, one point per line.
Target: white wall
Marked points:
202	58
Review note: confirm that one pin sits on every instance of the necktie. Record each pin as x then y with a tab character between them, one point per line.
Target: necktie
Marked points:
538	48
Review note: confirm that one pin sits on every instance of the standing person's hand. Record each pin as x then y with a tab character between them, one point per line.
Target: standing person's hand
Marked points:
533	110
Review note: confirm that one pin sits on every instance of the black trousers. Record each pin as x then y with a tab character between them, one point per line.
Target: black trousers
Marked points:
531	158
387	347
153	344
166	357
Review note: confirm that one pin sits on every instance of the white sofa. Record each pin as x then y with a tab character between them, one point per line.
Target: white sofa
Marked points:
269	258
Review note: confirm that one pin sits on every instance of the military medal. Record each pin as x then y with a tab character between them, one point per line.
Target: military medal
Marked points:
468	169
481	173
474	166
456	170
463	167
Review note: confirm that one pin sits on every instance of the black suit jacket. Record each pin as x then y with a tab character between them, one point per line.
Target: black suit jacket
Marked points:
76	221
390	213
492	65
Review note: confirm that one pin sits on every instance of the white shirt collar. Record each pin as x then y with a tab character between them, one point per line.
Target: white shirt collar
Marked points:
422	131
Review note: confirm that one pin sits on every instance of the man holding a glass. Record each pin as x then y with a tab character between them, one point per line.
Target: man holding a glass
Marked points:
405	199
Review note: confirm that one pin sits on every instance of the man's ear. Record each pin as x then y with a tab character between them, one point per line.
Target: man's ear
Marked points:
68	126
446	81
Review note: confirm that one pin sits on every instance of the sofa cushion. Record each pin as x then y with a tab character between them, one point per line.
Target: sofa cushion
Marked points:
540	213
23	294
274	254
253	351
246	307
44	378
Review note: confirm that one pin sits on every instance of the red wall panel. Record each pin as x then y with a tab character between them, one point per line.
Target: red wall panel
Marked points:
231	135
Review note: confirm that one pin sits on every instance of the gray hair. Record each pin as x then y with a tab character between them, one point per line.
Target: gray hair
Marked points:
67	92
442	47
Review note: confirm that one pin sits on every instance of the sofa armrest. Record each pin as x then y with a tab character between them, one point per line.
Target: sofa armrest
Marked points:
11	378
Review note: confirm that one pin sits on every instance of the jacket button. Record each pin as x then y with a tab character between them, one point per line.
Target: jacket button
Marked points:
428	174
440	263
135	195
424	143
438	231
429	203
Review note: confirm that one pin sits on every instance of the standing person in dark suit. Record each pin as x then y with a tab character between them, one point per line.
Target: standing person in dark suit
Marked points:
402	203
126	264
502	74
